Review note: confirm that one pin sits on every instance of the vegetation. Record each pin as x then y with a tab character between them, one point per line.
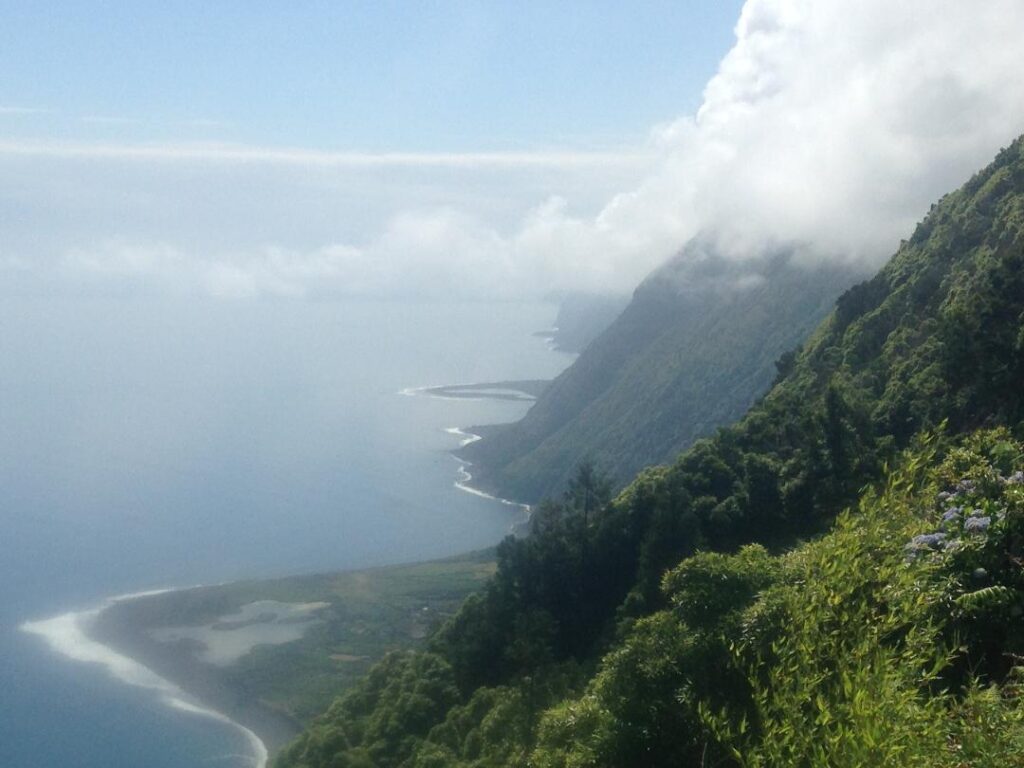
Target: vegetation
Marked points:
690	353
834	580
875	645
370	613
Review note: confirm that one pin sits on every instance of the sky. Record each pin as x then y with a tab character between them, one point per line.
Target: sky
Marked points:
468	150
359	76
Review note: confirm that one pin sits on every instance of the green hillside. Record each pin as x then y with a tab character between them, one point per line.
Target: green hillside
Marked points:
691	352
725	610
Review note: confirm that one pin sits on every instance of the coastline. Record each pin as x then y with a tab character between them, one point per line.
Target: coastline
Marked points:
272	690
204	687
110	636
464	477
75	636
523	390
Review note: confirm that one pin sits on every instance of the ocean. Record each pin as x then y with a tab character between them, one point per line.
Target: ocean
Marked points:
168	442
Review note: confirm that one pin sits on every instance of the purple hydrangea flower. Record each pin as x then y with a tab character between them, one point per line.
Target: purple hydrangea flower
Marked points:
951	515
977	512
945	496
923	543
977	524
928	540
1017	478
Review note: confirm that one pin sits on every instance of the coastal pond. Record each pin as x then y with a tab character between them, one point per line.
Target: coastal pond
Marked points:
232	636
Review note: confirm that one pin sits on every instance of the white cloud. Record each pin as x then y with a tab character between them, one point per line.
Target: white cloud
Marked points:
240	153
111	120
118	258
15	111
830	124
270	271
204	122
837	124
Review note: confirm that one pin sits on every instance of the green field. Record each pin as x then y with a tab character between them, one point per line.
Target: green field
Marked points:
370	612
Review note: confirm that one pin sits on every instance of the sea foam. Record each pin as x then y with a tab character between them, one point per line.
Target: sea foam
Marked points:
67	635
464	478
465	438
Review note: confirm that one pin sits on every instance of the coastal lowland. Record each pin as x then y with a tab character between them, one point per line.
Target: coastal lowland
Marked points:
271	655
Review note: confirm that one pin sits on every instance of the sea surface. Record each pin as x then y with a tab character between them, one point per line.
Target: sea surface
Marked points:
148	444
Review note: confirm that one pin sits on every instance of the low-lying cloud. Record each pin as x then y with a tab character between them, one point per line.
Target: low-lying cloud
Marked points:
837	124
830	125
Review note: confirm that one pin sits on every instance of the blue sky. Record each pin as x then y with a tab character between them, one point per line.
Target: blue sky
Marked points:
367	76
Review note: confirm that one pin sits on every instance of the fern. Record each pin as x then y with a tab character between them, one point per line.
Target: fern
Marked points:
986	599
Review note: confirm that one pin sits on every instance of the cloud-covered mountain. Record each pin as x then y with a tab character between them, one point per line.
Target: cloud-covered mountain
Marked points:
694	348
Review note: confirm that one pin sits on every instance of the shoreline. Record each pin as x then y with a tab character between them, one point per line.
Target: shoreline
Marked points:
383	607
101	635
464	477
73	635
203	683
522	390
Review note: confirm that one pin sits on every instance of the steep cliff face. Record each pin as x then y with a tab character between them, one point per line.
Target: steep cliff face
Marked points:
693	349
582	317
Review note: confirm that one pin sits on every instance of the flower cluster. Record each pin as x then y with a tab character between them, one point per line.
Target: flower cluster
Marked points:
925	542
977	524
961	523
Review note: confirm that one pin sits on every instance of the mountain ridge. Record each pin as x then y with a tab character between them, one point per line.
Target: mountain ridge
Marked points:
692	351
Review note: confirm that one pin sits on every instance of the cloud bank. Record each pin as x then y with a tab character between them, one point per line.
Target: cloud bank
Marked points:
830	125
837	124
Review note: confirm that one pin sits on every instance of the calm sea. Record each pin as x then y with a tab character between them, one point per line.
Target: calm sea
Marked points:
151	444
